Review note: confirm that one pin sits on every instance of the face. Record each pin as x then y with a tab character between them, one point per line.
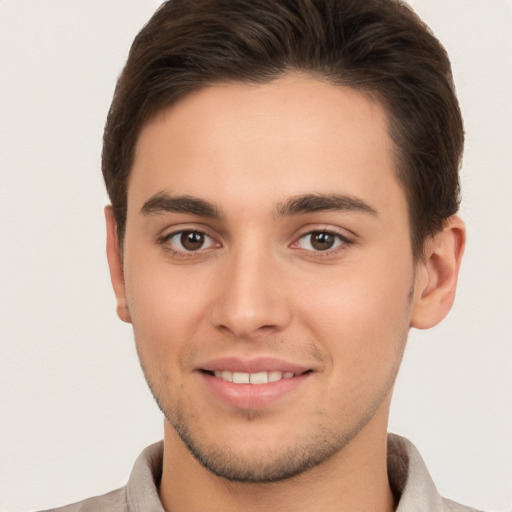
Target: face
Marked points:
268	272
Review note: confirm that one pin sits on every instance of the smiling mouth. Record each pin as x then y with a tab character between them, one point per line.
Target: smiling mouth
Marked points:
253	378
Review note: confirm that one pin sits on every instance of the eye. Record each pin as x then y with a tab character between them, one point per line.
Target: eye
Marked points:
189	241
321	241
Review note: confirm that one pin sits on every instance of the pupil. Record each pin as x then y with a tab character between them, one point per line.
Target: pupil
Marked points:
322	241
192	240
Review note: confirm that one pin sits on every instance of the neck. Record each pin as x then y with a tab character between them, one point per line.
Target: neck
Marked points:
354	479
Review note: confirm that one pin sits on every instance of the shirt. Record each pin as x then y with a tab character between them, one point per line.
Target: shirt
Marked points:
408	477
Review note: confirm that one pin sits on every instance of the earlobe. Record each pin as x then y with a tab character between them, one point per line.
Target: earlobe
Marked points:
437	274
116	266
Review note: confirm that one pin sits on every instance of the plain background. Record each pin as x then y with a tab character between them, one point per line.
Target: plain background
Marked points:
74	408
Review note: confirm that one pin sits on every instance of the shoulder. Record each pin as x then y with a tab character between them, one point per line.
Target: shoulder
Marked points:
114	501
139	495
451	506
410	480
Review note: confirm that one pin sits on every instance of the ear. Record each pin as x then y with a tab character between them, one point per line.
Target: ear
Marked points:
116	266
437	274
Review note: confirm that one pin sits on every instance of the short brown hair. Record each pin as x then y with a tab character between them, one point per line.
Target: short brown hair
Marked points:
379	47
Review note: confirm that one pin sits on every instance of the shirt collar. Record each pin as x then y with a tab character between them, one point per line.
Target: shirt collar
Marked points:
142	487
409	477
407	473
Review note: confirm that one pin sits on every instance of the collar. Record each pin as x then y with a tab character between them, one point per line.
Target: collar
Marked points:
407	473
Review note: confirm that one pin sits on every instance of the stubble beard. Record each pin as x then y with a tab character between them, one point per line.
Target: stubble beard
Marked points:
275	465
267	466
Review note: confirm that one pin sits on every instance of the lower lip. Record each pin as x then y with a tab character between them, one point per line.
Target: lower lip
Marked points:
253	396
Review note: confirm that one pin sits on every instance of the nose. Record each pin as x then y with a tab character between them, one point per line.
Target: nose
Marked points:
252	297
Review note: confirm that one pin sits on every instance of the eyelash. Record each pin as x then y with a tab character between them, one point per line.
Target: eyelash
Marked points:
341	240
165	241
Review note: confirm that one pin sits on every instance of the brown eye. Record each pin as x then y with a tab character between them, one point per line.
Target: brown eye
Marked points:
192	240
189	241
322	241
319	241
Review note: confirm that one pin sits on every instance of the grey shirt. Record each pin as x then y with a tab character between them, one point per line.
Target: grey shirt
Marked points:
408	477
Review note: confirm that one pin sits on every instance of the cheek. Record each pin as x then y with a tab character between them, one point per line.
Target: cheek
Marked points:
166	309
362	314
160	294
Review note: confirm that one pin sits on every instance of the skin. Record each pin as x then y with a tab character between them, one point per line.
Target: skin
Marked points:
259	287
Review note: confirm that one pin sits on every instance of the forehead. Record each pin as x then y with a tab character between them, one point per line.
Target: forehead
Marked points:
244	144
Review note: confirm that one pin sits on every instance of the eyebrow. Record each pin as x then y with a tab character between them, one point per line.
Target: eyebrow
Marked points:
311	203
162	202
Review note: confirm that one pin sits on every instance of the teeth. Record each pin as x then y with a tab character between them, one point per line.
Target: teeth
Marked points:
258	378
240	378
224	375
275	376
253	378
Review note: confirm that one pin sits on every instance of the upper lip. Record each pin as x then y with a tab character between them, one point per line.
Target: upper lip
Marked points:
255	365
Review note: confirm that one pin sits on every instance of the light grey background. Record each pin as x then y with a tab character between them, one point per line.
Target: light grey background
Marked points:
74	409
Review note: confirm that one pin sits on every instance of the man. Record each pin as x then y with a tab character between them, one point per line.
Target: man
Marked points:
284	187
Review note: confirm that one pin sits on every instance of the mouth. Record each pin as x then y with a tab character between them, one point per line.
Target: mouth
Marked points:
253	384
262	377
